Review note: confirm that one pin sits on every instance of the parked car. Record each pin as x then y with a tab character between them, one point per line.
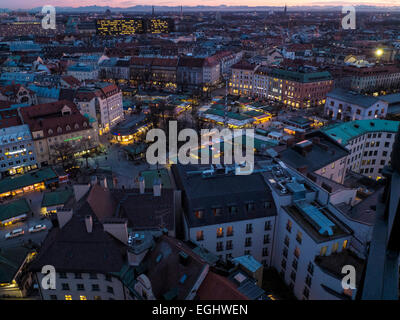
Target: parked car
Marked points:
37	228
15	233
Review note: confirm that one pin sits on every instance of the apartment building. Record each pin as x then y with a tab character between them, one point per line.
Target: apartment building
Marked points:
372	78
241	82
227	59
302	88
370	143
311	243
318	153
349	106
190	73
101	102
18	93
53	124
229	215
115	68
297	89
83	72
17	151
87	264
211	71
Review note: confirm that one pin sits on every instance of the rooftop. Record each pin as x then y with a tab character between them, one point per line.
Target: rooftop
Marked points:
14	209
27	179
317	220
346	131
56	198
319	152
11	260
353	97
222	191
334	263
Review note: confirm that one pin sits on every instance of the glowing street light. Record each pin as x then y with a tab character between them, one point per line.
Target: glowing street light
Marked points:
379	52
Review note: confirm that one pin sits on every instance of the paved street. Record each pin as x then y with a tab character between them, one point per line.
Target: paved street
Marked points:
125	170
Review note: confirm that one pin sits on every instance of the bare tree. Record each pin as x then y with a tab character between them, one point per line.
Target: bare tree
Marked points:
64	153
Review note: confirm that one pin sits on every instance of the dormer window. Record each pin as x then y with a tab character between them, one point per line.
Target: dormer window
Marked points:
85	124
59	130
68	128
50	131
76	126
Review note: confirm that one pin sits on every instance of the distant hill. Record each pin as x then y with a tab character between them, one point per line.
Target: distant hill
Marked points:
148	8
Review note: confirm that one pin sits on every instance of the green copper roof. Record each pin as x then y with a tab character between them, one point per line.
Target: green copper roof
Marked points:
344	132
300	76
56	198
14	209
27	179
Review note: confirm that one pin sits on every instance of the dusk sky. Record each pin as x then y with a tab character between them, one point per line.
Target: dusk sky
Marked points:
24	4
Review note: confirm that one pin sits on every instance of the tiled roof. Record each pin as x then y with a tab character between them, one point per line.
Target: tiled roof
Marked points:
48	117
216	287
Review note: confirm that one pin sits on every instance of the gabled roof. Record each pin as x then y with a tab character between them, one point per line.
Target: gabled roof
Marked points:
216	287
73	249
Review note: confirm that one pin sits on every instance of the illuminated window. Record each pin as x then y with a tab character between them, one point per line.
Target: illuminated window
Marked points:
299	237
220	232
83	297
297	252
335	247
229	231
199	235
323	250
68	297
199	214
344	244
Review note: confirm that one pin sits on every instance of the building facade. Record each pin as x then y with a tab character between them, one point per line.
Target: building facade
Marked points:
17	151
370	143
349	106
55	124
102	102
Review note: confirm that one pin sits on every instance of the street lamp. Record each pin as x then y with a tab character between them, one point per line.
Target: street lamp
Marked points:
379	52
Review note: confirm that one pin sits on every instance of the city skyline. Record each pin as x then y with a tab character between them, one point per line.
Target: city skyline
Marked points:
21	4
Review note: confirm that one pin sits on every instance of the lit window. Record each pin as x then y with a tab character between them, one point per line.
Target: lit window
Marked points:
199	235
83	297
344	244
68	297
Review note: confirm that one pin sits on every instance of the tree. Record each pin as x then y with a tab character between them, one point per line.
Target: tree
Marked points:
64	153
86	145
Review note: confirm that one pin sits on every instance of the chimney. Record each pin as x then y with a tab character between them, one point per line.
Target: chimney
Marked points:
103	182
141	185
63	216
157	187
118	228
89	223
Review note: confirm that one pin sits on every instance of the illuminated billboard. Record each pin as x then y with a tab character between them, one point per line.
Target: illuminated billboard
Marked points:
110	27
